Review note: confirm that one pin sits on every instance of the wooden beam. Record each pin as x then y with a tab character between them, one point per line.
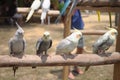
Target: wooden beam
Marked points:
102	9
100	3
25	10
67	28
58	60
92	32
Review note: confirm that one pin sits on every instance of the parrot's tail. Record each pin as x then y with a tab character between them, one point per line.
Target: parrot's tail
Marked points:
58	19
87	67
14	69
43	16
29	15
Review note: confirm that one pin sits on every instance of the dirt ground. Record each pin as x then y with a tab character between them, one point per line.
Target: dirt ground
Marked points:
35	30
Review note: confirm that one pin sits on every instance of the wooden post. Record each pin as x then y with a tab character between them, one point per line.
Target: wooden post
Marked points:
116	75
110	19
67	28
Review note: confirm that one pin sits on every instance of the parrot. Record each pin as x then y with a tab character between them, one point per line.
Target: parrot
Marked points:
44	43
17	44
68	44
105	41
45	8
63	10
35	6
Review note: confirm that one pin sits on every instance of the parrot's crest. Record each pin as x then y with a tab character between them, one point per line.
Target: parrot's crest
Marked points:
113	32
75	36
19	30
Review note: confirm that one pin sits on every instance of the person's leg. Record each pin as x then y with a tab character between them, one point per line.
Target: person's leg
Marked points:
71	76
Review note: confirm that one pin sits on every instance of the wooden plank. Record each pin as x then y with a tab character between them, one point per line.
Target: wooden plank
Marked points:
58	60
25	10
92	32
100	3
102	9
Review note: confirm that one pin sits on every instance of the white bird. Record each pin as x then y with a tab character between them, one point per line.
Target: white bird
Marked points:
17	44
45	8
35	6
67	45
105	41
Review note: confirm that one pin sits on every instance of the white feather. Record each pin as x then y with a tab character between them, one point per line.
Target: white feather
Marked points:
45	9
35	5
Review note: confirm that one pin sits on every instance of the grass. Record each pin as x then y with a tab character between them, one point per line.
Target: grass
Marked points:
32	32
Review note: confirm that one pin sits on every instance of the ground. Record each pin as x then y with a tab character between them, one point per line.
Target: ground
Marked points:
35	30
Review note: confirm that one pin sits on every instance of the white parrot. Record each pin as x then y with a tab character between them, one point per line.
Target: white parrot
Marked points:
105	41
45	9
35	5
67	45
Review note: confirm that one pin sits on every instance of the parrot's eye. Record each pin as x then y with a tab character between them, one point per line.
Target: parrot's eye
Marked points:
114	33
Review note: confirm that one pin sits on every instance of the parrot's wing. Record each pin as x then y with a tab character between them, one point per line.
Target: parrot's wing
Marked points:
63	45
24	44
81	42
10	45
50	43
36	4
38	44
102	40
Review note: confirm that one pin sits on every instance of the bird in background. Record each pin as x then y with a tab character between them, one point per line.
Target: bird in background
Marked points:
105	41
35	6
74	4
67	45
63	10
45	8
17	44
43	44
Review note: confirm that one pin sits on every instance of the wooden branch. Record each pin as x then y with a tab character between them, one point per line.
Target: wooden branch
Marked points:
100	3
58	60
103	9
25	10
92	32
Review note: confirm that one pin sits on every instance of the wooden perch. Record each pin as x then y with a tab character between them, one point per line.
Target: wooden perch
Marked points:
92	32
58	60
101	3
25	10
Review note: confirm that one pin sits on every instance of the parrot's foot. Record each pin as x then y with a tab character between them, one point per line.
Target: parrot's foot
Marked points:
50	56
64	56
71	56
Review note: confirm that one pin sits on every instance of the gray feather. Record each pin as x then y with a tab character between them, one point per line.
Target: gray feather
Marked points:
43	46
